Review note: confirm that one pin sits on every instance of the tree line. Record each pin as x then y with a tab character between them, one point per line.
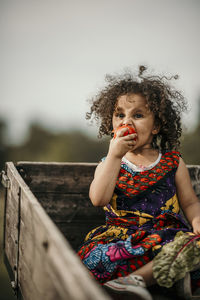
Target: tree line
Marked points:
75	146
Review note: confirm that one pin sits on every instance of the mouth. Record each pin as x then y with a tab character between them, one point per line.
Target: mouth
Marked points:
130	130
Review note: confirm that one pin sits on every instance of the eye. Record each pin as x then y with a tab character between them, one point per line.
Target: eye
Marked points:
120	115
138	116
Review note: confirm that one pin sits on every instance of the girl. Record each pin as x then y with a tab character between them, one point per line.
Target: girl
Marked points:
140	183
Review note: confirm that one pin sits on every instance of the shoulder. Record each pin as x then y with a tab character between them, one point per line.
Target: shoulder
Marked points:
182	170
182	177
183	184
172	153
171	157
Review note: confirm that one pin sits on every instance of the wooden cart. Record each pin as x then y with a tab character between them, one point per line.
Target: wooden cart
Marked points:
47	215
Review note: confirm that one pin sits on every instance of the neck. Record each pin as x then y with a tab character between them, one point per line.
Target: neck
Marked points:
144	156
145	150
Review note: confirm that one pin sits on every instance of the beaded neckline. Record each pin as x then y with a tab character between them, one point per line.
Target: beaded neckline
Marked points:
141	168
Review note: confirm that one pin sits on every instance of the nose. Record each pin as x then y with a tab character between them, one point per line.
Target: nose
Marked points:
128	121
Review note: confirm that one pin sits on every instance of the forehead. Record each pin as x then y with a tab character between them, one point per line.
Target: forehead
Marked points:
131	101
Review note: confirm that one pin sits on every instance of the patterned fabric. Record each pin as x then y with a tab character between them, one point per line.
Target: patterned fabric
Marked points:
141	217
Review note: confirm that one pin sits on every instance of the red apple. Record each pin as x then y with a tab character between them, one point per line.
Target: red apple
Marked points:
130	130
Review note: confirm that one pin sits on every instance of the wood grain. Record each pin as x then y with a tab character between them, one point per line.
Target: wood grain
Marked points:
48	268
62	178
47	220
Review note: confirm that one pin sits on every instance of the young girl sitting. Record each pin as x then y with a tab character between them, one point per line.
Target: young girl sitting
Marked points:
141	182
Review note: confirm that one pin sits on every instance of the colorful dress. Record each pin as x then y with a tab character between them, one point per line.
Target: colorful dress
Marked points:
141	217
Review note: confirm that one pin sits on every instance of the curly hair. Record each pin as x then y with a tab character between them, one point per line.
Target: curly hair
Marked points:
163	100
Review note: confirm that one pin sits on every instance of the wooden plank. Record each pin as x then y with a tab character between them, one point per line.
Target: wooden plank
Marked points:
11	225
194	171
11	217
47	261
72	177
57	177
47	266
76	232
74	215
65	206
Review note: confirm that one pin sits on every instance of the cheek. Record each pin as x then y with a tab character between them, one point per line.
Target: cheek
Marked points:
115	122
143	129
139	126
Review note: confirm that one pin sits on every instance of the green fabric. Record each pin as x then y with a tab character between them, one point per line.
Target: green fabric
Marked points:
176	259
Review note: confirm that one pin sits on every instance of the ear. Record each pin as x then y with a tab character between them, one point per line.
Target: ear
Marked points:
156	129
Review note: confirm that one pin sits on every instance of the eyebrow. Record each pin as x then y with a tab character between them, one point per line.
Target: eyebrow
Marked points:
119	108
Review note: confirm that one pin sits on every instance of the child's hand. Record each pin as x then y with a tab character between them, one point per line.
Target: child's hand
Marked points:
121	144
196	225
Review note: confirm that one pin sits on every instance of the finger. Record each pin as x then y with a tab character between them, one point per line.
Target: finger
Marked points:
196	231
121	132
129	137
131	143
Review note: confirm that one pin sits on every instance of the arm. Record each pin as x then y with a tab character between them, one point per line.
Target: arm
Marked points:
103	184
189	202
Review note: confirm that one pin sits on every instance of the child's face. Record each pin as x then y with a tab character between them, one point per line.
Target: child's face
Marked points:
133	110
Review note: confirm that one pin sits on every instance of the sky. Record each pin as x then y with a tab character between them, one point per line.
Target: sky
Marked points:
54	55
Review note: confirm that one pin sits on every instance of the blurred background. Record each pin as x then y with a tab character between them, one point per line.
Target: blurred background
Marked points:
54	56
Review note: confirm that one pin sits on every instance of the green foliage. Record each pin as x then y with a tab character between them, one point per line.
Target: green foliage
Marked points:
43	145
75	146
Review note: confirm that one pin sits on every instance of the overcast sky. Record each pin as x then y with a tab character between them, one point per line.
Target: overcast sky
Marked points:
54	54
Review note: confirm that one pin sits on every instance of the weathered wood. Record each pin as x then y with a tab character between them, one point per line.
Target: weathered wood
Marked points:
74	214
71	177
47	216
194	172
64	206
62	189
47	266
62	178
12	213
